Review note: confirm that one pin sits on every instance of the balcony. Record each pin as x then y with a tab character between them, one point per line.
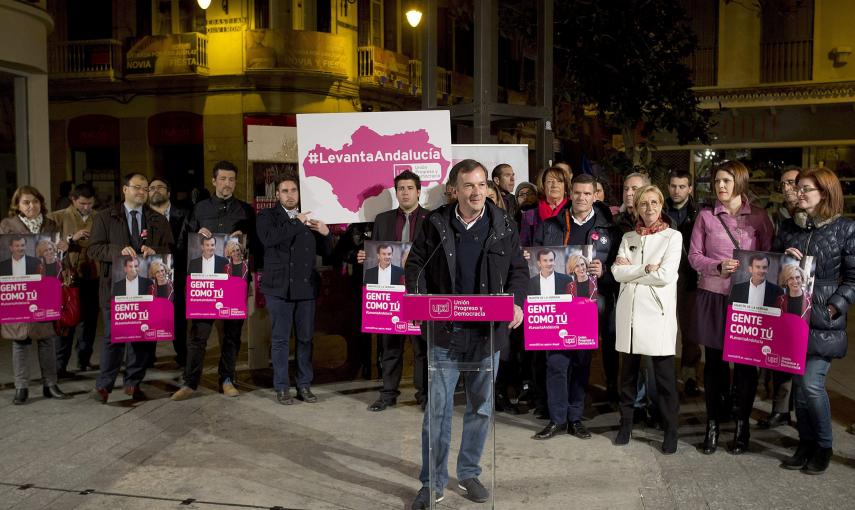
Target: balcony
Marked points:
385	69
298	51
99	58
443	79
786	61
168	55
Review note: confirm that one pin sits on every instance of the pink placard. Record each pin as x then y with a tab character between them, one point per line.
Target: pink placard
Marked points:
381	311
141	319
31	298
560	322
474	308
216	296
764	337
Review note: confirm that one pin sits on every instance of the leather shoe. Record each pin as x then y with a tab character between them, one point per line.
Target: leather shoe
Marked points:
101	395
229	390
711	438
381	405
183	393
21	396
624	434
306	395
550	431
135	393
774	420
740	438
800	458
577	429
284	397
818	462
53	391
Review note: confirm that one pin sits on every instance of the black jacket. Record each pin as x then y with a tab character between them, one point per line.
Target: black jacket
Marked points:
739	293
833	245
605	237
503	270
120	288
110	234
562	281
688	276
222	217
372	274
32	266
384	224
290	249
220	263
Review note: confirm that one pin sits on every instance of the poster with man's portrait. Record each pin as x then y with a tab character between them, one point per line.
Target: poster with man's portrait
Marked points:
30	277
561	307
384	287
142	294
217	276
769	309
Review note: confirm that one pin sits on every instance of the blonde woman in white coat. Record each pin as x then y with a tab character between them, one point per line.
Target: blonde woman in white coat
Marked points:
646	316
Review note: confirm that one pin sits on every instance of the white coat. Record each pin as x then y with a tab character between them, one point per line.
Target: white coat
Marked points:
646	315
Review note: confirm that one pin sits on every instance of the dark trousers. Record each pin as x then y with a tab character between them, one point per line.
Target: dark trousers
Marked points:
566	381
510	369
359	343
180	342
284	314
606	321
666	398
717	386
782	386
89	311
690	357
229	349
392	366
139	357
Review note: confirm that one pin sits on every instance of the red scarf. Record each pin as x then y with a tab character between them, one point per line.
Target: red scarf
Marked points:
545	211
658	226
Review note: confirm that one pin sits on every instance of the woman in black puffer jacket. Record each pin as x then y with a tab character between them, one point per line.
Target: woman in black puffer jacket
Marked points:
820	230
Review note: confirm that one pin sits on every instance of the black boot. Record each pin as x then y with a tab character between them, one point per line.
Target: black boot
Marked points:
669	442
53	391
818	462
624	433
21	396
711	437
740	438
803	454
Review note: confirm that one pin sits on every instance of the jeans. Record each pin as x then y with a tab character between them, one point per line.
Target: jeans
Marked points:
112	355
566	381
89	307
229	349
283	314
476	419
813	410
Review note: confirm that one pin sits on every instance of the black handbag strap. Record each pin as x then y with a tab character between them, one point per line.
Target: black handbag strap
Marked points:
729	234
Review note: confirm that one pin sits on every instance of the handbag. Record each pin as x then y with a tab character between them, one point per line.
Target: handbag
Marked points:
69	314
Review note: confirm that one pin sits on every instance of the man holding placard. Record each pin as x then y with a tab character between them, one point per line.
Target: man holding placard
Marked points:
467	247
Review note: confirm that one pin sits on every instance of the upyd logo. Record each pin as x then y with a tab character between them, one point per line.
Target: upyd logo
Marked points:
440	308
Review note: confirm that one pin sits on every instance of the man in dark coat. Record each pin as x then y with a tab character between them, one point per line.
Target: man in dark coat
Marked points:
131	229
290	284
220	214
468	247
546	264
132	266
758	265
400	224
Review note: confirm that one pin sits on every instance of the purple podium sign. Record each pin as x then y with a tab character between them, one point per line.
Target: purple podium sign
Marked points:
381	311
216	296
463	308
764	337
142	318
30	298
560	322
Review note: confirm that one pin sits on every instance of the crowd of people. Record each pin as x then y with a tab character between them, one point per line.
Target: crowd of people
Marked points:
659	267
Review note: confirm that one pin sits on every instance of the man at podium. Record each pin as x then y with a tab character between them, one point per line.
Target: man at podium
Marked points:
468	246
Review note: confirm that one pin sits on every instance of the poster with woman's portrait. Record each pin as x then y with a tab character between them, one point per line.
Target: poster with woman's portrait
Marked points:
769	310
561	307
217	277
142	294
30	278
384	287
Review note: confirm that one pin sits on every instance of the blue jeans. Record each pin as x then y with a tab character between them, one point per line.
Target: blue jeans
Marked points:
283	314
476	419
813	410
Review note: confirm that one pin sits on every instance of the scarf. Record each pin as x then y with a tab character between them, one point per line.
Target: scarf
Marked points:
545	211
34	225
657	226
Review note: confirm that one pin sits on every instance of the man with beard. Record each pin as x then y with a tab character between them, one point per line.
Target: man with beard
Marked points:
503	176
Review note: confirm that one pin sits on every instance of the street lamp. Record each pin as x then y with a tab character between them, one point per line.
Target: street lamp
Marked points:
414	17
204	4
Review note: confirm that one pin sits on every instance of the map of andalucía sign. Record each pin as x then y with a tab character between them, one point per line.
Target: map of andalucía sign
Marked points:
348	161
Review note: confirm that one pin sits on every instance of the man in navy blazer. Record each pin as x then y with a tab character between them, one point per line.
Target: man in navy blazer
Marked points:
758	266
546	265
384	260
32	265
131	266
209	244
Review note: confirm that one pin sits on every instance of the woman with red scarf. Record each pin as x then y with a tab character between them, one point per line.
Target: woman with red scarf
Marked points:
554	186
646	314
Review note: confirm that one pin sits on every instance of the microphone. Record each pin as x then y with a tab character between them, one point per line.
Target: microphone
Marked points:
424	265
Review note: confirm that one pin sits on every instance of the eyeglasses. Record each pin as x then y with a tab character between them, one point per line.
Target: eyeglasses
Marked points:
137	187
157	188
804	190
787	184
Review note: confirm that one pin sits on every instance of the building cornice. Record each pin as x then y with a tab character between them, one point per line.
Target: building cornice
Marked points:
805	93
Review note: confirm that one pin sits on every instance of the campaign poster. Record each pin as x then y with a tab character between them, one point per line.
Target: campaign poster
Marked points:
769	309
348	161
561	304
142	294
217	277
383	289
30	278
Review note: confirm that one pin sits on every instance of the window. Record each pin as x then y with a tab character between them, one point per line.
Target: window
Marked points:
177	17
464	49
390	25
92	19
261	14
786	43
704	61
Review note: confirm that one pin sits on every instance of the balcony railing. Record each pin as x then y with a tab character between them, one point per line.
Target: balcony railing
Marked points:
443	78
385	68
175	54
786	61
99	58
